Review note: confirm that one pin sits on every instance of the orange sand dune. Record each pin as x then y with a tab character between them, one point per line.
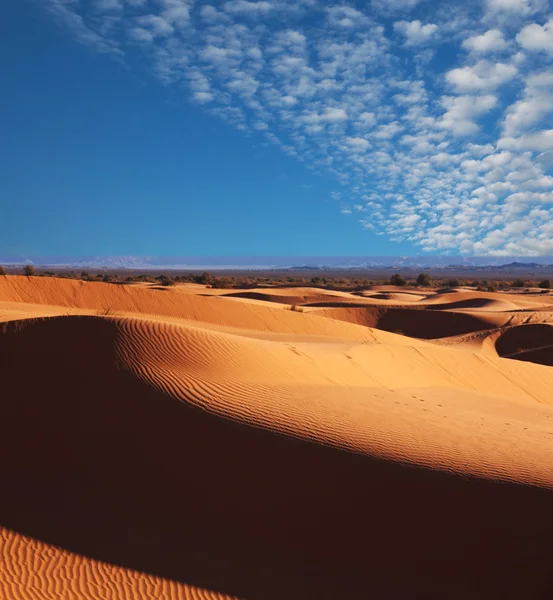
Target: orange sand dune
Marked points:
34	569
193	447
398	296
513	299
291	295
482	304
63	296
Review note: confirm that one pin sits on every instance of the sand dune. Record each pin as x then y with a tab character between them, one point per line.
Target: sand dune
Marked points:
169	445
398	296
291	295
516	300
60	296
417	323
34	569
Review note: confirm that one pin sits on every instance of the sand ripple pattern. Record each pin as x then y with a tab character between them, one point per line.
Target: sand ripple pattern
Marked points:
33	570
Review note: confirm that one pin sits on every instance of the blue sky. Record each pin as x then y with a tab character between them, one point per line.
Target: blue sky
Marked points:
277	127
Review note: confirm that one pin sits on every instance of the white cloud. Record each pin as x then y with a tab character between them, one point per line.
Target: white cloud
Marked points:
480	149
176	12
484	75
155	25
514	6
388	131
536	37
346	16
462	110
415	32
366	120
330	115
245	7
490	41
357	144
538	141
536	103
211	15
202	97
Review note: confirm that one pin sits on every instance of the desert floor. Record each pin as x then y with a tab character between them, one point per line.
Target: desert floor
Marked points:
283	443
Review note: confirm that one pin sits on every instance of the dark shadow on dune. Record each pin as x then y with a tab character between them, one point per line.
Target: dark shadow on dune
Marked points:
261	296
276	298
349	304
461	304
532	343
413	321
97	462
540	356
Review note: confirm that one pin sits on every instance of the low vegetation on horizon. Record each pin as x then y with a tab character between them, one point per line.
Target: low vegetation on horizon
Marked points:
344	283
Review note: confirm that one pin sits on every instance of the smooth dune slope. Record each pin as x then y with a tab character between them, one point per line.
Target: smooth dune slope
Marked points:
49	296
152	454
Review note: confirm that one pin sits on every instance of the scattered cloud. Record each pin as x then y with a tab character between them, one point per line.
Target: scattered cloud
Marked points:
482	76
357	144
246	7
346	16
415	32
535	104
537	38
490	41
451	152
512	6
461	112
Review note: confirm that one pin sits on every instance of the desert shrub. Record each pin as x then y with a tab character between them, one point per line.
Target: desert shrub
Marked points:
397	279
165	281
222	283
518	283
204	278
453	283
107	278
29	270
424	280
2	270
545	284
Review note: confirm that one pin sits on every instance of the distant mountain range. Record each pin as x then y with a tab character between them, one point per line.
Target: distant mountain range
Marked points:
293	263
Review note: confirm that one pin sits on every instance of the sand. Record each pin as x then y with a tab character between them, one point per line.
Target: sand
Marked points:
161	443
